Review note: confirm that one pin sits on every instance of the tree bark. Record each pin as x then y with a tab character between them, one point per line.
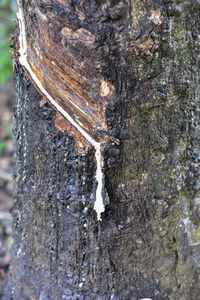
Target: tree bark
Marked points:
147	244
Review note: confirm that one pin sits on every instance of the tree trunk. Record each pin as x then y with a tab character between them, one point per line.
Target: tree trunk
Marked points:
148	242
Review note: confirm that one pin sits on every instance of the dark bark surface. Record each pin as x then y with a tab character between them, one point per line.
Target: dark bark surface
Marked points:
148	243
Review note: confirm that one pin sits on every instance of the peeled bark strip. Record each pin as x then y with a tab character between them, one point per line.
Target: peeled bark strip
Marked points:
146	53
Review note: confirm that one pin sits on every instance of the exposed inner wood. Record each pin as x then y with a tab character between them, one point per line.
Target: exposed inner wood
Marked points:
63	81
62	59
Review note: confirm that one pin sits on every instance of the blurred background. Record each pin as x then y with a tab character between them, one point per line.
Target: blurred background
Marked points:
8	10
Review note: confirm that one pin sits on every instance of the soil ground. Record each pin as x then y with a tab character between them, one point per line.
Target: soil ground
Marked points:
7	96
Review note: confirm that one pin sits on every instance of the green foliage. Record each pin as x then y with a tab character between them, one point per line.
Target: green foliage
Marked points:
7	13
2	146
9	131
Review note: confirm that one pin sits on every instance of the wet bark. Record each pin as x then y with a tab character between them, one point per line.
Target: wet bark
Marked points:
148	243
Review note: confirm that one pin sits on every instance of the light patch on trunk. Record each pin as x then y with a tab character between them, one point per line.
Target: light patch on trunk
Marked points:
156	17
98	205
106	89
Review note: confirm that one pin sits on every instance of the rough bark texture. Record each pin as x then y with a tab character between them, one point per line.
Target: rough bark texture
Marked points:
148	243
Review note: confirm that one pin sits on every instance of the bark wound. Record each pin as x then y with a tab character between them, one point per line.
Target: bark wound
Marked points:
69	80
80	143
81	35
